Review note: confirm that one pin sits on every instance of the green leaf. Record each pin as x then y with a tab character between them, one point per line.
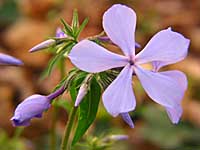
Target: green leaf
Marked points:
9	12
87	110
73	92
82	26
75	22
68	29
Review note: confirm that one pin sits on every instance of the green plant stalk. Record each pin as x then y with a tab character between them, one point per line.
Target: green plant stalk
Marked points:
18	132
53	128
66	145
55	110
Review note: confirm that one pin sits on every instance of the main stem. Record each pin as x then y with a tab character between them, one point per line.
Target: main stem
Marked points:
65	141
56	110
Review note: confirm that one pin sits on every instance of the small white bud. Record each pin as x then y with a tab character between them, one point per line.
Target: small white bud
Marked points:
81	93
43	45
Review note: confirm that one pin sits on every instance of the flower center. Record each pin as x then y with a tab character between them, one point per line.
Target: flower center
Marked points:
131	60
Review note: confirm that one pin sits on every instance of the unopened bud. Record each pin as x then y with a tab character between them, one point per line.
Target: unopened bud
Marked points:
81	93
43	45
9	60
33	107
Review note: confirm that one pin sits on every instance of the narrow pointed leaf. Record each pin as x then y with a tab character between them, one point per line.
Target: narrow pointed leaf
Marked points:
82	26
68	29
75	22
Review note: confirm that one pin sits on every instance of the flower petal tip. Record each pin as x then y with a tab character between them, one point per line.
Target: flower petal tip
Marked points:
127	118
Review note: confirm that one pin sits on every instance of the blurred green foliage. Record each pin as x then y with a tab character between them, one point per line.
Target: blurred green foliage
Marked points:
8	12
158	130
7	143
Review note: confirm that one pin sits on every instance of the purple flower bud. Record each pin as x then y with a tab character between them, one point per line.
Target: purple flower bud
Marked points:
43	45
60	33
33	106
126	117
81	93
9	60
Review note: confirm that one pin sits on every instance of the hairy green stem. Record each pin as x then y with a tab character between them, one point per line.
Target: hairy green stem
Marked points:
66	145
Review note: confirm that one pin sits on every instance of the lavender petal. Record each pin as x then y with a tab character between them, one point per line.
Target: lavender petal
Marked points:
119	23
176	112
119	97
163	89
90	57
166	47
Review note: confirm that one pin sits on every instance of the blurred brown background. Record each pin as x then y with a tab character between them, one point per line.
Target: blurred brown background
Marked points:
24	23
